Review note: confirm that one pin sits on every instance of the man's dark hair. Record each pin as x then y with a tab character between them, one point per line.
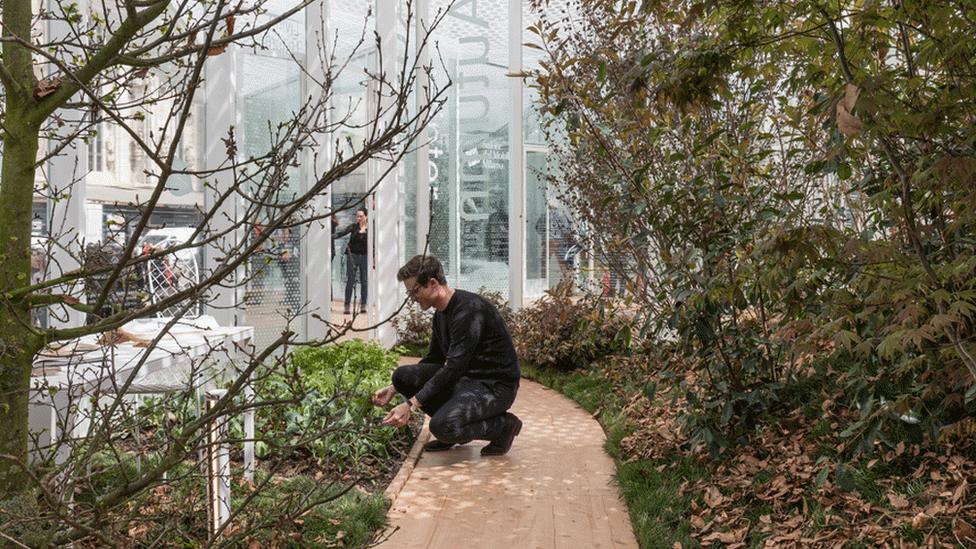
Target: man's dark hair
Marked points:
422	268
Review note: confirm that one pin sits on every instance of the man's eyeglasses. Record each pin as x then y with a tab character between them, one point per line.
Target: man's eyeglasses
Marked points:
412	292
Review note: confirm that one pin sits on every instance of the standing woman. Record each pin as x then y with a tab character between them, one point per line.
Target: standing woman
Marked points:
356	258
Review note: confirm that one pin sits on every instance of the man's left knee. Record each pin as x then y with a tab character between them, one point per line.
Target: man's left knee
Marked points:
401	380
446	429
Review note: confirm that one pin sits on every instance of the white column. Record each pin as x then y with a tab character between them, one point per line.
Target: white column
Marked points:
317	247
454	181
423	151
384	292
220	88
67	220
66	174
93	221
516	161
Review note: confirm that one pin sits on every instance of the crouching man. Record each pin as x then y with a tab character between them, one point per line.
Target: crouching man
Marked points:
470	376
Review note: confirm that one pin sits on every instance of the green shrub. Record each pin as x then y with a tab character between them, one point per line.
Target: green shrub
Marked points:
764	230
563	332
413	327
20	520
326	410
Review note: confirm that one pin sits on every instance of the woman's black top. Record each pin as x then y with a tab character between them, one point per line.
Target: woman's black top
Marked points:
357	240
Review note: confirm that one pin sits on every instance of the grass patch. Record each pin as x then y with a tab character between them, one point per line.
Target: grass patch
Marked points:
587	388
658	513
650	488
349	521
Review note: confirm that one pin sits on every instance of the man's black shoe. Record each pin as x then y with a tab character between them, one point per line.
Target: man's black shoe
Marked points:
439	446
503	444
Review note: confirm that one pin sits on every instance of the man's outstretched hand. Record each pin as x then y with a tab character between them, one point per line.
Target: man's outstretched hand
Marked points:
383	396
398	416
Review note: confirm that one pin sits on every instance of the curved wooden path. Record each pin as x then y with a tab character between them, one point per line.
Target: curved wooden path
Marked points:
554	489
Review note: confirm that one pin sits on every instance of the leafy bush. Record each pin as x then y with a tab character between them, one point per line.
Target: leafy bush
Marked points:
563	332
500	303
19	517
413	327
282	510
326	410
780	209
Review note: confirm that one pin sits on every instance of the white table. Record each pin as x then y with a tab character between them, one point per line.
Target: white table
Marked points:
193	355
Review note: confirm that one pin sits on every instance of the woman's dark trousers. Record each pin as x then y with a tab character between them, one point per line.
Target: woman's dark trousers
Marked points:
355	262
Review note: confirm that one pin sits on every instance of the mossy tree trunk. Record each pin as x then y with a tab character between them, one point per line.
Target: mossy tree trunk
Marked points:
26	111
17	344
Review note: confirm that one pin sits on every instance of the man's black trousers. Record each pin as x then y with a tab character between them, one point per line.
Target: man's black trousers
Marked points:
472	410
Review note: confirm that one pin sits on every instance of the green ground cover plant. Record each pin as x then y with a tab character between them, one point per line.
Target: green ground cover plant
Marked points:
329	416
324	460
293	510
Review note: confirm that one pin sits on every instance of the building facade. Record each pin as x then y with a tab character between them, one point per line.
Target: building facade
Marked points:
471	191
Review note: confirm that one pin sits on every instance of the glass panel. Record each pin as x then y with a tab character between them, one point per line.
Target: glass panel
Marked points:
542	267
353	24
531	126
470	152
40	246
564	250
536	219
269	93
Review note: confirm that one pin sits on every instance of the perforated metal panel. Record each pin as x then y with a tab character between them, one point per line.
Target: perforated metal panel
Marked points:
171	275
269	94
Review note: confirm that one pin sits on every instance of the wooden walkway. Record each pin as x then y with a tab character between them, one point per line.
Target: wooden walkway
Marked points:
552	490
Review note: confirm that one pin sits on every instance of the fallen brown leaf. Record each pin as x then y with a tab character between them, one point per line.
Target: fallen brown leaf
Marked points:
713	498
897	501
46	87
920	520
964	532
960	491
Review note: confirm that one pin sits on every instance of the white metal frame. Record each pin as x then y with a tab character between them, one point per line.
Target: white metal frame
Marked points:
385	234
221	81
516	162
317	247
66	175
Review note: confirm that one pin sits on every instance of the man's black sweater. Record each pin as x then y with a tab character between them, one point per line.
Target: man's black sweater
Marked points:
471	340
